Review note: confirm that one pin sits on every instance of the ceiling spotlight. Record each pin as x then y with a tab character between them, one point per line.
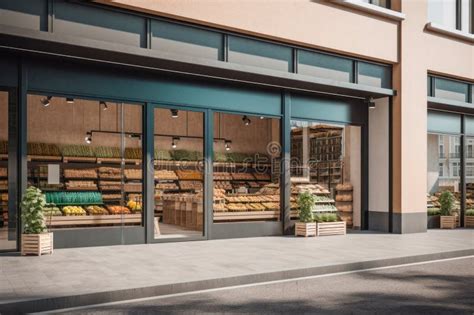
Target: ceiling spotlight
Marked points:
174	142
69	100
371	103
103	103
174	113
227	145
46	101
246	120
88	137
261	117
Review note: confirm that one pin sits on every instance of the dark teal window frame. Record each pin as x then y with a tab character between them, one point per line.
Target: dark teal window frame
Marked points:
432	83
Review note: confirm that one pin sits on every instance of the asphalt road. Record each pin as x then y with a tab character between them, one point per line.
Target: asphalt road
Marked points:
445	287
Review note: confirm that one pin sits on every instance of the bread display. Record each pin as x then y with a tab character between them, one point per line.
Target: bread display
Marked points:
81	185
189	175
80	173
110	173
133	174
165	175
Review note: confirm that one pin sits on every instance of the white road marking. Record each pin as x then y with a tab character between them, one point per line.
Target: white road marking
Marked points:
65	310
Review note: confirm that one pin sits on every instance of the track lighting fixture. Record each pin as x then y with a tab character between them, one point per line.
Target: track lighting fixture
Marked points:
88	137
174	142
46	101
246	120
174	113
103	103
227	145
69	100
371	103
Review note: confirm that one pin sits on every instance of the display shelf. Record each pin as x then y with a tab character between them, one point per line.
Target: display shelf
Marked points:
246	215
78	204
74	159
81	220
43	158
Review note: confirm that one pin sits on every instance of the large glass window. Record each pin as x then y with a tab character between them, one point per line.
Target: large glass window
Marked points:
325	160
324	66
444	169
374	75
246	168
179	173
86	157
7	234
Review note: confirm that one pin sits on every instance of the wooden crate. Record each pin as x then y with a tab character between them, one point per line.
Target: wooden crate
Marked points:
37	244
246	215
447	222
469	221
305	229
331	228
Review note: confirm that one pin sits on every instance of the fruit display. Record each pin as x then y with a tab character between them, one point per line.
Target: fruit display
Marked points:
165	175
96	210
81	184
52	211
45	149
73	197
80	173
133	153
189	175
118	210
314	189
162	155
74	150
107	152
134	206
3	172
243	176
222	176
190	185
325	208
166	186
323	198
133	174
74	210
185	155
110	173
111	196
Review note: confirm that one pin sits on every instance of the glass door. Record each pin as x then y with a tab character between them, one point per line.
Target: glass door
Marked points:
8	233
178	174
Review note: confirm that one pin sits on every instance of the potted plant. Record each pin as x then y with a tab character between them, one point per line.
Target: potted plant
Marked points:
306	226
447	219
35	238
330	224
433	218
469	218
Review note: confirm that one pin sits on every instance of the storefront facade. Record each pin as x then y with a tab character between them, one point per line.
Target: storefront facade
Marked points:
157	129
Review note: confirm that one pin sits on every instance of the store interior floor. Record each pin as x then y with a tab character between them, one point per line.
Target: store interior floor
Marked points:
175	231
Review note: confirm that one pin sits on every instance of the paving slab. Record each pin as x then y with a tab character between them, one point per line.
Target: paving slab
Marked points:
81	276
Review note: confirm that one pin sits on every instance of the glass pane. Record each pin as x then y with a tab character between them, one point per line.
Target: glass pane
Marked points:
442	12
451	90
259	54
7	237
324	66
466	15
180	39
325	161
469	176
246	168
86	157
441	122
444	170
179	173
381	3
374	75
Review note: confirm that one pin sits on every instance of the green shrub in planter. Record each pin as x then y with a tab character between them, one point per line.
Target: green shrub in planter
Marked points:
433	211
306	203
32	211
446	201
326	217
470	213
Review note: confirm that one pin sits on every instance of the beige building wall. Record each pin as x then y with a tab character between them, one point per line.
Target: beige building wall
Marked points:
316	23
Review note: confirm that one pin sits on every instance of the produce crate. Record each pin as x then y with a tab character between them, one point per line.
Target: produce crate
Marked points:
447	222
37	244
246	215
305	229
331	228
469	221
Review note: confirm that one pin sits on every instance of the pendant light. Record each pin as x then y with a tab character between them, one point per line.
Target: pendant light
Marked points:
46	101
174	142
69	100
88	137
103	103
246	120
371	103
227	145
174	113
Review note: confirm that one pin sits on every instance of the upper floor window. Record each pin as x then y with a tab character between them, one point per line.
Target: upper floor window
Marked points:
455	14
380	3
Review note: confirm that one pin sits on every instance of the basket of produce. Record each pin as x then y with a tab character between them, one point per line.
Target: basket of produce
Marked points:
74	150
163	155
74	211
133	153
107	152
118	210
134	206
52	210
45	149
96	210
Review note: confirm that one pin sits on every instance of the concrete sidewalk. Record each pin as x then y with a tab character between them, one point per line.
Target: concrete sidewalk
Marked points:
73	277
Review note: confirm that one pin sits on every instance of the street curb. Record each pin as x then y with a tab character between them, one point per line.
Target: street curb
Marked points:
48	304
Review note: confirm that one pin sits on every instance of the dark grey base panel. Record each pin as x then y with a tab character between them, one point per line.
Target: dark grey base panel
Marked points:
245	229
415	222
47	304
378	221
98	237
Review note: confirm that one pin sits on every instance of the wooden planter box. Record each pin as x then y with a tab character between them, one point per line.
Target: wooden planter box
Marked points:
469	221
305	229
447	222
433	222
331	228
37	244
